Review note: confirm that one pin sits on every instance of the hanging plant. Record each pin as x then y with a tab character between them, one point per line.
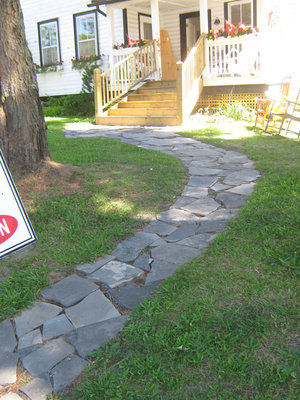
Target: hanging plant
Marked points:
231	31
83	62
56	66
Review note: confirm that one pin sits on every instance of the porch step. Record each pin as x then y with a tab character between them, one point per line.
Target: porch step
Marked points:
145	104
160	84
167	111
152	97
153	104
137	120
149	90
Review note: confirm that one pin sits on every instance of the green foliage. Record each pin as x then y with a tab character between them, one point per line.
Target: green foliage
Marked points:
79	105
88	79
238	111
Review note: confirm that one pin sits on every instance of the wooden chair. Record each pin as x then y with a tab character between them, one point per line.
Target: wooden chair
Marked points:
269	104
287	119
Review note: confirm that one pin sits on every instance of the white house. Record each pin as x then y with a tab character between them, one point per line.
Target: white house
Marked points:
72	29
59	31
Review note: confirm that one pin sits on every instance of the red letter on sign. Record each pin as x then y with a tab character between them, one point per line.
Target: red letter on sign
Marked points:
8	226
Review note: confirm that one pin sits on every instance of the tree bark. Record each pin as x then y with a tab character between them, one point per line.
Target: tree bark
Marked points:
22	127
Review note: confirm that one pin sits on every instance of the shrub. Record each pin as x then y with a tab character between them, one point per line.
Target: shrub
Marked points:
79	105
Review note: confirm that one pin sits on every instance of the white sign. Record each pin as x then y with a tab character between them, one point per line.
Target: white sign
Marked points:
15	228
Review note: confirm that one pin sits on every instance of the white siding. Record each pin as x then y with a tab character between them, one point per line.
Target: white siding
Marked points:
67	81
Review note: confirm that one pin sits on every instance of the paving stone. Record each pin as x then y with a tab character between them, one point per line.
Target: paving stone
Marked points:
27	350
38	314
195	192
158	242
217	225
205	163
45	358
218	187
7	337
30	339
130	296
183	232
204	171
94	308
67	371
39	388
202	181
11	396
245	189
8	368
202	206
56	327
177	216
159	227
236	158
129	249
243	176
115	273
183	201
174	254
91	337
143	261
221	214
231	200
160	270
198	241
87	269
69	290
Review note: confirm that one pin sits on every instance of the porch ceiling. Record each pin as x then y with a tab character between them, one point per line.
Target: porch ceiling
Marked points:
164	5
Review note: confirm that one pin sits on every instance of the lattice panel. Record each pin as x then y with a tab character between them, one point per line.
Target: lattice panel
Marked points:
213	100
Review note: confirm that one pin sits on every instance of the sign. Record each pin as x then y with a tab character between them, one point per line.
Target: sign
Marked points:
15	228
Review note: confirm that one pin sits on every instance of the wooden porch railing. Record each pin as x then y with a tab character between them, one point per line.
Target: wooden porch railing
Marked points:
189	79
240	56
121	77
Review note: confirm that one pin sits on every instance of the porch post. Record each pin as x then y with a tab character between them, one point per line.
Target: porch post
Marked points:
156	32
203	16
110	32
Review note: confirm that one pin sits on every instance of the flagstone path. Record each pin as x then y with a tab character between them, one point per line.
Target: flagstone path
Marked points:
52	340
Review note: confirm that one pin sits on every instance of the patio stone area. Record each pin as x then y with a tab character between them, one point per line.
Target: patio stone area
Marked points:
53	339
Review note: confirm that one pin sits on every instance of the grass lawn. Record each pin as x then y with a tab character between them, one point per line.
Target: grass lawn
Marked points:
95	193
225	325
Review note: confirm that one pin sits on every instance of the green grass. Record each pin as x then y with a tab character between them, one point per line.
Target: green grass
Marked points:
225	325
122	186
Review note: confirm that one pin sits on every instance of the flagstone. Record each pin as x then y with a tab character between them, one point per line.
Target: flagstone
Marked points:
7	337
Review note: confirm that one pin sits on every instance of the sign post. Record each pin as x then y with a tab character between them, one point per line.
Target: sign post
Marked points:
15	228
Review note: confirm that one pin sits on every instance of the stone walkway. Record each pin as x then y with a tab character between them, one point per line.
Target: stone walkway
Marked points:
77	315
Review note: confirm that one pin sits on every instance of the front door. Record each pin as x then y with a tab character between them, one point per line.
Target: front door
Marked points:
189	32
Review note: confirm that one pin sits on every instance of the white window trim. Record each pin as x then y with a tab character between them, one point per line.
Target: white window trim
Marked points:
142	20
77	41
40	25
239	2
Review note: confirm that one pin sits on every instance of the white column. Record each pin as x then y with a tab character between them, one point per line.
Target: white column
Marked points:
156	34
110	32
203	16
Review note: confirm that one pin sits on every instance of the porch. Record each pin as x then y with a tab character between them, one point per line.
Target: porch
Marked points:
209	63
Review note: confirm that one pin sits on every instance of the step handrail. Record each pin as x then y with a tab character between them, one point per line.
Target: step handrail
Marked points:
118	80
189	79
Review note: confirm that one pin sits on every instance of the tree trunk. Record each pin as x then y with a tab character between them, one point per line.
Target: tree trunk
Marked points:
22	127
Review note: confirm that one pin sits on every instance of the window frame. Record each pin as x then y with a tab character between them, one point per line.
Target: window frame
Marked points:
253	3
75	16
40	24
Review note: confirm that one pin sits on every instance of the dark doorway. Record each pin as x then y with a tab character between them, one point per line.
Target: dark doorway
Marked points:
190	31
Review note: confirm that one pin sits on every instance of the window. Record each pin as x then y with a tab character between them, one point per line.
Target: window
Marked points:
86	35
240	11
49	42
145	26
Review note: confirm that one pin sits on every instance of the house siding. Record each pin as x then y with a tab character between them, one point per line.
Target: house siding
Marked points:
67	81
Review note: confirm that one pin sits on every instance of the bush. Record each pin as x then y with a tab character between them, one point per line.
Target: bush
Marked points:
79	105
238	111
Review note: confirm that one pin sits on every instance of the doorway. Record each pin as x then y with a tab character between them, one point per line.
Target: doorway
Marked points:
190	31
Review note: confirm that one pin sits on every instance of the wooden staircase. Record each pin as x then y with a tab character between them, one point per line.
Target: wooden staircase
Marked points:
153	104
